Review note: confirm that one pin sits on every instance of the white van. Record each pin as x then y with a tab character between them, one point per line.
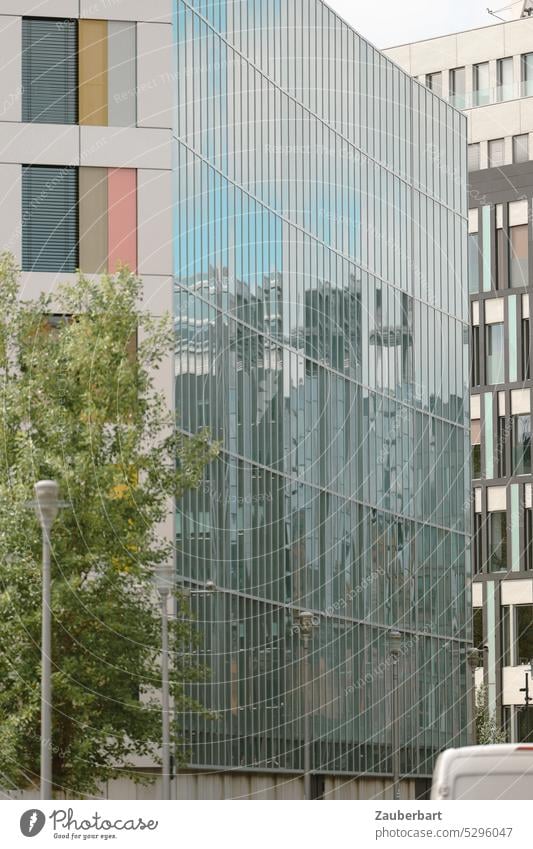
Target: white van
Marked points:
503	771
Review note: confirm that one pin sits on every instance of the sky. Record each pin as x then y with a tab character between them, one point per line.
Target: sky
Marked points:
389	22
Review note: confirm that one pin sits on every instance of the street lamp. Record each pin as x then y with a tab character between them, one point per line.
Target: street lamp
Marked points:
46	507
165	580
395	645
306	621
473	657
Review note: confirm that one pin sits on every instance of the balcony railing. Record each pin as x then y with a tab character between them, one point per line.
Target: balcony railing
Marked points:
487	96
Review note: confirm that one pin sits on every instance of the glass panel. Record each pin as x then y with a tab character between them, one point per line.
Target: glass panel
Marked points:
497	541
457	87
434	82
473	262
478	628
525	723
524	633
481	93
495	359
505	79
496	153
473	157
527	74
521	442
521	148
475	437
518	255
505	635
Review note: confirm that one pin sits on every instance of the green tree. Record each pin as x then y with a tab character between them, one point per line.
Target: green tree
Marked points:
78	406
487	729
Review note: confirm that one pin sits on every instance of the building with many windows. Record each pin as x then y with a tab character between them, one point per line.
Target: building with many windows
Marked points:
320	252
299	203
488	72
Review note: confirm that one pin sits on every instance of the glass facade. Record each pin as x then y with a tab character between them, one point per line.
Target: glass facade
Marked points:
321	334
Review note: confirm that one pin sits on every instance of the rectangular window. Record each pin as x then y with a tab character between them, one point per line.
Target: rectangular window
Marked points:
49	70
497	541
504	72
475	435
473	157
524	350
49	218
518	255
457	87
496	153
524	633
473	262
521	444
525	723
501	439
475	375
501	259
477	544
527	74
505	635
528	539
477	628
521	148
495	359
434	82
481	91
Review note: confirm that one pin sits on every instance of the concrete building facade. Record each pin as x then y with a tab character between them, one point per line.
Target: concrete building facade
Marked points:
488	72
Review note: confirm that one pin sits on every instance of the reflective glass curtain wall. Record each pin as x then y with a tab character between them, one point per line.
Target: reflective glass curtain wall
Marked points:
320	314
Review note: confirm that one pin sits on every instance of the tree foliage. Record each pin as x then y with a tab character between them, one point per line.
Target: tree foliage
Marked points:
487	728
79	407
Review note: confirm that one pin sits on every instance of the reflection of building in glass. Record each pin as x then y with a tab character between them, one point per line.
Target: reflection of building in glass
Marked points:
496	89
319	277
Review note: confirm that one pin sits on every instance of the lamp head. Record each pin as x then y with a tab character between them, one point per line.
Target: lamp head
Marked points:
165	578
46	502
395	643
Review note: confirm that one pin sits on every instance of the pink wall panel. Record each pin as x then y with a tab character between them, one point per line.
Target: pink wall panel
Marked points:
122	218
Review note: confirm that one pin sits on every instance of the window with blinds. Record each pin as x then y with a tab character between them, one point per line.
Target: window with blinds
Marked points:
49	218
49	70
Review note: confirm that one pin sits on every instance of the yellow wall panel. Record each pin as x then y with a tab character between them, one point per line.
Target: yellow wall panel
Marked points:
93	106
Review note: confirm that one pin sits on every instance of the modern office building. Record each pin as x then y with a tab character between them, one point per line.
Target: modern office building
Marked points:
299	202
321	333
488	73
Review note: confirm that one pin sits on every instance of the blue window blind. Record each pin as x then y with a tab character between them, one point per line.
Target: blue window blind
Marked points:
49	218
49	70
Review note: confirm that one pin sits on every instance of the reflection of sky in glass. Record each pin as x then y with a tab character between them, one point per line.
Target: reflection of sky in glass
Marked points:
318	289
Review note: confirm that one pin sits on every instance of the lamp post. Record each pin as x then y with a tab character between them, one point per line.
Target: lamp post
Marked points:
165	579
46	506
473	657
306	621
395	643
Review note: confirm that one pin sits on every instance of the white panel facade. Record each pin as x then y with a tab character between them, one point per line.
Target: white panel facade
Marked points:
154	78
10	68
127	10
42	8
517	592
39	144
125	147
11	210
154	206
